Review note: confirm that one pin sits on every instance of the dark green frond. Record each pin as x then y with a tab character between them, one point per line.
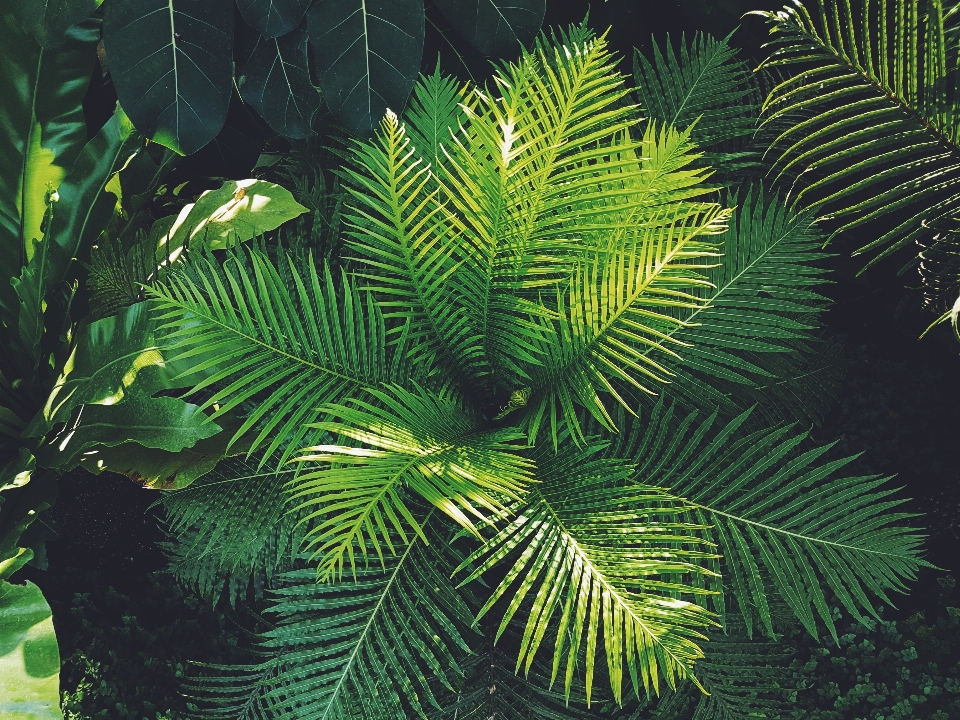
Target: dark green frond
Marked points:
867	118
371	648
433	113
417	442
232	529
752	337
781	517
279	352
593	555
703	84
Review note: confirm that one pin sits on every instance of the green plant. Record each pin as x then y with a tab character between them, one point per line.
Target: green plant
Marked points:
172	63
865	124
461	414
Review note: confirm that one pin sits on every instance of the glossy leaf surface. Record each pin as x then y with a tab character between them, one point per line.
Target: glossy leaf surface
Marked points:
495	27
273	17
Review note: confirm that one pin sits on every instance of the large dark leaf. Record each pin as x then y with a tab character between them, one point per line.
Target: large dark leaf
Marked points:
367	54
41	133
495	27
273	17
171	62
276	81
48	20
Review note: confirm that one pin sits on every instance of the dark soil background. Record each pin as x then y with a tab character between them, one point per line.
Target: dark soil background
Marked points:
898	404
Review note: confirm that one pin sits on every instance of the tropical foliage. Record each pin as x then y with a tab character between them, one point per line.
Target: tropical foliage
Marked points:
488	425
494	401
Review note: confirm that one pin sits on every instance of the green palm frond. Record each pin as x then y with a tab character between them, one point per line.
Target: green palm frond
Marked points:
867	118
372	648
600	556
755	326
781	518
538	171
413	441
705	84
432	113
620	308
745	678
284	352
403	237
231	529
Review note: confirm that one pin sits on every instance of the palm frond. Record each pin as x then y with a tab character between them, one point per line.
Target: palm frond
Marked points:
621	307
867	118
706	86
432	113
779	511
232	530
755	330
279	352
370	648
744	677
408	441
594	555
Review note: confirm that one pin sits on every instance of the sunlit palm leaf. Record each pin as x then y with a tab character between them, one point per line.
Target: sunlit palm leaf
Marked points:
412	441
595	555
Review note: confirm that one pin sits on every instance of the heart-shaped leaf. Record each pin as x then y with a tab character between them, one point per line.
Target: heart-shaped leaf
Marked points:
495	27
273	17
367	55
276	81
48	20
172	65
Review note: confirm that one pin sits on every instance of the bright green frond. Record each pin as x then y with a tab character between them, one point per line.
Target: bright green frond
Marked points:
869	121
782	519
272	352
373	648
539	166
621	307
231	529
432	113
593	555
705	84
402	441
407	243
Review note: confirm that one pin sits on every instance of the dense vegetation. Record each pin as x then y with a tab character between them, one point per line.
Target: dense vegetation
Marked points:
449	389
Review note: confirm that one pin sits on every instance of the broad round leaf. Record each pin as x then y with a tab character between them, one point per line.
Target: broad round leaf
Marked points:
273	17
276	82
49	20
495	27
171	63
367	54
29	657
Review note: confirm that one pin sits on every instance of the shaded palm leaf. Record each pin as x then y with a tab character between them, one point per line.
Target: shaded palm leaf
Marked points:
370	648
781	518
867	121
595	555
426	444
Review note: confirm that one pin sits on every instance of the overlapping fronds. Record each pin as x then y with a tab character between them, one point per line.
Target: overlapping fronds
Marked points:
620	307
433	113
372	648
781	517
281	351
705	84
866	120
232	529
408	441
596	555
745	678
755	328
